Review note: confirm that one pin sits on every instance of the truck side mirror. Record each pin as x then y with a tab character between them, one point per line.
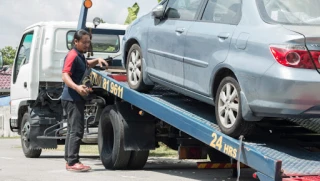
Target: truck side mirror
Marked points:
1	60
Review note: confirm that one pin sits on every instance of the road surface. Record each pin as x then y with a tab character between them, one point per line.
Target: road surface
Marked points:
14	166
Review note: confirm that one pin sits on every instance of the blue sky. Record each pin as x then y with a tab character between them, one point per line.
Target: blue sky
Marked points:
15	15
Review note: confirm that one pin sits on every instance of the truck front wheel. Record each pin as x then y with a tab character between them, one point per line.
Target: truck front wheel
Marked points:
28	150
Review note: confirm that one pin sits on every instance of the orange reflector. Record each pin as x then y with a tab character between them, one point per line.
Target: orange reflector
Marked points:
255	175
87	3
189	152
206	165
141	113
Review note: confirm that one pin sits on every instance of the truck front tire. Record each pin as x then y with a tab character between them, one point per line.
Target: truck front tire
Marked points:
28	150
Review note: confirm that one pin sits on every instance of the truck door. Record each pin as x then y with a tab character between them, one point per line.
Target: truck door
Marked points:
25	80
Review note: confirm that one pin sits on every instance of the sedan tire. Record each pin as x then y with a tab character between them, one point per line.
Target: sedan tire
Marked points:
134	70
228	109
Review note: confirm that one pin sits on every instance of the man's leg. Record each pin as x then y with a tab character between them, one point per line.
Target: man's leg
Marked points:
76	111
66	146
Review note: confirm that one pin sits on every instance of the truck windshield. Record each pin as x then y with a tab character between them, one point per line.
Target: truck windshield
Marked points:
292	12
100	42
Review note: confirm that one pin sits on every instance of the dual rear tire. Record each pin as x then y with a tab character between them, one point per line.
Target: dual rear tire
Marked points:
111	143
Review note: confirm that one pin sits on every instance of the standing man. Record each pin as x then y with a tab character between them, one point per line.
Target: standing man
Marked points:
72	97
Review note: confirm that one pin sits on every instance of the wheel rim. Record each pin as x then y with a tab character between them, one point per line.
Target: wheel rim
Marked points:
25	134
134	67
228	105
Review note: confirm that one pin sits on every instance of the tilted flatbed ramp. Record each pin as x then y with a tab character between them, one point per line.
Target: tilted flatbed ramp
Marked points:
197	119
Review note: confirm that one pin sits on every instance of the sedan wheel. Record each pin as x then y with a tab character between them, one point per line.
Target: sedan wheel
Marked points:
228	109
228	105
135	70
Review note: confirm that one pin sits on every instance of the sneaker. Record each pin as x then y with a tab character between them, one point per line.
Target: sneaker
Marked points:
78	167
88	167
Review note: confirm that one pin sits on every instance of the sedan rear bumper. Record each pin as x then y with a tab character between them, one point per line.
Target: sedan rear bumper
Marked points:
285	91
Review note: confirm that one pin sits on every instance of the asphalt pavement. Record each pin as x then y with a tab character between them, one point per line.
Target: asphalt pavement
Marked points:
14	166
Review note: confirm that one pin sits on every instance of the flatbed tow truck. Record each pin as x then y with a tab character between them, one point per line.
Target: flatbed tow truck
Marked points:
131	123
280	150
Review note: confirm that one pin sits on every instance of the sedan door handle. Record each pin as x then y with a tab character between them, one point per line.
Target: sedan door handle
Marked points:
25	84
180	30
223	36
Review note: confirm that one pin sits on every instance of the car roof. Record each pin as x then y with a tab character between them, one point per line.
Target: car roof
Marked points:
74	24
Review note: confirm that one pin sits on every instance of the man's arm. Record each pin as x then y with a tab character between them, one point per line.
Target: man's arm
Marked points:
67	80
96	61
81	89
68	68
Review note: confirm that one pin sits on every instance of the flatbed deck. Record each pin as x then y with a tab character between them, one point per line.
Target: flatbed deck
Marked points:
273	158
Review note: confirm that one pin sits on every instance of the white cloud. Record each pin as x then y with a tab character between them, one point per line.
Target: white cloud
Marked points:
16	15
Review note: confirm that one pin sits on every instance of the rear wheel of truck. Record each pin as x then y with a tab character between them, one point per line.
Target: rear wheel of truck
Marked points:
138	159
27	148
111	140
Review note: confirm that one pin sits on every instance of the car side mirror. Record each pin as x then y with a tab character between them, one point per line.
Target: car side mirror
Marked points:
1	60
173	13
158	11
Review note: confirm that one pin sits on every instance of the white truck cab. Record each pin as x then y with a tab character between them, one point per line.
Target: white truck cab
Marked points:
36	83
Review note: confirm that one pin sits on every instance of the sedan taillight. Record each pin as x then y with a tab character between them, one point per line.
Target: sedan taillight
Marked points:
293	56
316	58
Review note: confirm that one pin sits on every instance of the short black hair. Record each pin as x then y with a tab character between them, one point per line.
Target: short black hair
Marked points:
79	34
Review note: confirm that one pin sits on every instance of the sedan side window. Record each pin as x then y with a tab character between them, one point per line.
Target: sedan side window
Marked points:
223	11
182	9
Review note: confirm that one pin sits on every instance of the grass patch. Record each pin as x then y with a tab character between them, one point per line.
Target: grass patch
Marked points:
162	151
84	149
15	137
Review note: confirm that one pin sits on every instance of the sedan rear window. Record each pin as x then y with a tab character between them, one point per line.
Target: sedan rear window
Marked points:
292	12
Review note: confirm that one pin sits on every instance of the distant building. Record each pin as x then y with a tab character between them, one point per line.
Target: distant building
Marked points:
5	79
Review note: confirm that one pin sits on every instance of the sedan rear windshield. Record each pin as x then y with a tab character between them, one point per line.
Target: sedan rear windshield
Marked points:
292	12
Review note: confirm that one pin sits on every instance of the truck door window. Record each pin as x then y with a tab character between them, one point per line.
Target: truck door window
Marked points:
23	54
100	42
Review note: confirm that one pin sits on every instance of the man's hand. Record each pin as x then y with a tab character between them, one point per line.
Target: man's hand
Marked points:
102	61
96	61
83	90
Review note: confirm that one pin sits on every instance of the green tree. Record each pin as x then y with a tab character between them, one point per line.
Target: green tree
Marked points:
8	54
102	21
132	13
